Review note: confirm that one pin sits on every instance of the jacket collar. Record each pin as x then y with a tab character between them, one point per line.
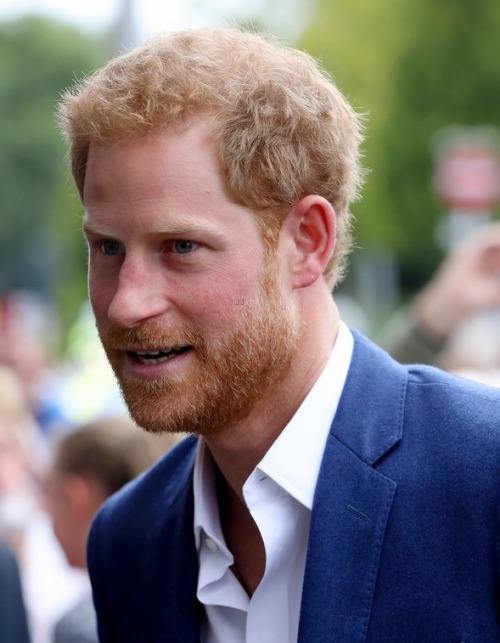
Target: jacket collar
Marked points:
352	501
369	418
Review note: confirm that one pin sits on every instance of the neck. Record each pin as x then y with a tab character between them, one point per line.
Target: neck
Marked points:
238	451
242	537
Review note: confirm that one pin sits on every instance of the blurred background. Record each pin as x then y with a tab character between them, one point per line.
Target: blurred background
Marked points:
426	76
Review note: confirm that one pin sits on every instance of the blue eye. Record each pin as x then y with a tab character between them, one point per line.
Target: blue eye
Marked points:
110	247
182	246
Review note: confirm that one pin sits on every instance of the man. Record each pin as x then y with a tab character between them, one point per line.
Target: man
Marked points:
328	494
90	463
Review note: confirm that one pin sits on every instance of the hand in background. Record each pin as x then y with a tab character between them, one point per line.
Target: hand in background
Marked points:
467	281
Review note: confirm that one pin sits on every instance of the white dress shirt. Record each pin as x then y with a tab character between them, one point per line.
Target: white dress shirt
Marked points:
279	495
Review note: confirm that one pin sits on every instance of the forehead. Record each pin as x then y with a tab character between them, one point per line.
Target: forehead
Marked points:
160	163
169	181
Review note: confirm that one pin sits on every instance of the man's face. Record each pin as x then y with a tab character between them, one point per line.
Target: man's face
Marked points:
59	506
187	299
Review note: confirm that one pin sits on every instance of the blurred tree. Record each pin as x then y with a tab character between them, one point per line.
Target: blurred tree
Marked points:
359	44
414	66
40	243
447	73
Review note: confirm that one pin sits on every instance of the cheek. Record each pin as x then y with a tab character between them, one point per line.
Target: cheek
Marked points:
61	523
96	288
55	513
222	300
57	523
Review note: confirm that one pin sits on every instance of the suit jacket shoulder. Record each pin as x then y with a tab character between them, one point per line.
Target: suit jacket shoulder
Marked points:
142	557
13	619
406	517
404	540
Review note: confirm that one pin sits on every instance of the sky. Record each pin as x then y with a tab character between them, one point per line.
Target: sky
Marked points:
152	16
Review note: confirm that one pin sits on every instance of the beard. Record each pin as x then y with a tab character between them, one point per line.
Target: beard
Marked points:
229	372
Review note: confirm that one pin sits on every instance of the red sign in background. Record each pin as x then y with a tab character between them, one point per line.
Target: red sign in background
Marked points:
467	176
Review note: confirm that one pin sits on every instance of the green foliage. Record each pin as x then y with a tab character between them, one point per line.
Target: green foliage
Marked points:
415	66
358	44
447	73
40	242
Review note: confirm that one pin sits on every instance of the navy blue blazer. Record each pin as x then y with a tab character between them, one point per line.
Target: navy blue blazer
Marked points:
13	619
404	542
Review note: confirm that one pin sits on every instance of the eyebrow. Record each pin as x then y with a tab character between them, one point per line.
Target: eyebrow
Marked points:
180	228
188	228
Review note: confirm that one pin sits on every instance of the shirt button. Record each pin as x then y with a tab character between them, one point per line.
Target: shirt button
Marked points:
211	544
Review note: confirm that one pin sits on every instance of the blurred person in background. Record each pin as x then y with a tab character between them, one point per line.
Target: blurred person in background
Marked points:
48	581
23	457
89	465
29	333
89	389
13	620
64	388
454	321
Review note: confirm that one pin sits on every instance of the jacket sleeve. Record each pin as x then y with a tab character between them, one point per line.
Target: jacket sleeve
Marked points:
13	619
497	544
96	567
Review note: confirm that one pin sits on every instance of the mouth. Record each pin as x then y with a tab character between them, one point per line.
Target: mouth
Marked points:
157	356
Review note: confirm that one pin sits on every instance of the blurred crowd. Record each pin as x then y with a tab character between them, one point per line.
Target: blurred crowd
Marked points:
67	443
454	321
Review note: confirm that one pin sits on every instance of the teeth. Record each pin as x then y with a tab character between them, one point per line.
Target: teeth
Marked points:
157	357
149	360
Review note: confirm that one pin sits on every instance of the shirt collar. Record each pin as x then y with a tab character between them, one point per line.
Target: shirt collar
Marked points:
206	509
294	459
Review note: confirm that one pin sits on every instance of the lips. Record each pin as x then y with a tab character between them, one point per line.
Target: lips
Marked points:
157	356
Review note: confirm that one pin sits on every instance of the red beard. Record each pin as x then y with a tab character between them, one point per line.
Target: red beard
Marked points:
226	375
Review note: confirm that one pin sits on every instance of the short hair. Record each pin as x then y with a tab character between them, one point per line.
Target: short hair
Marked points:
282	127
111	451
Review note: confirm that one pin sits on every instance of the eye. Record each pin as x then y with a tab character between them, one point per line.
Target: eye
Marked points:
183	246
110	247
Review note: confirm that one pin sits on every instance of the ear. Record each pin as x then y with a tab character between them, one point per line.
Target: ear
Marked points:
310	228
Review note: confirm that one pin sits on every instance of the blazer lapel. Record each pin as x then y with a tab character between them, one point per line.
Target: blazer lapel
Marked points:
352	501
178	606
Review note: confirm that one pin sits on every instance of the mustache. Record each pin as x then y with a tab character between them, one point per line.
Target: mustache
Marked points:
150	335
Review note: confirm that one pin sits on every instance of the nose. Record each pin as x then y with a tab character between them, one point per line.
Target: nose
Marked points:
140	294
